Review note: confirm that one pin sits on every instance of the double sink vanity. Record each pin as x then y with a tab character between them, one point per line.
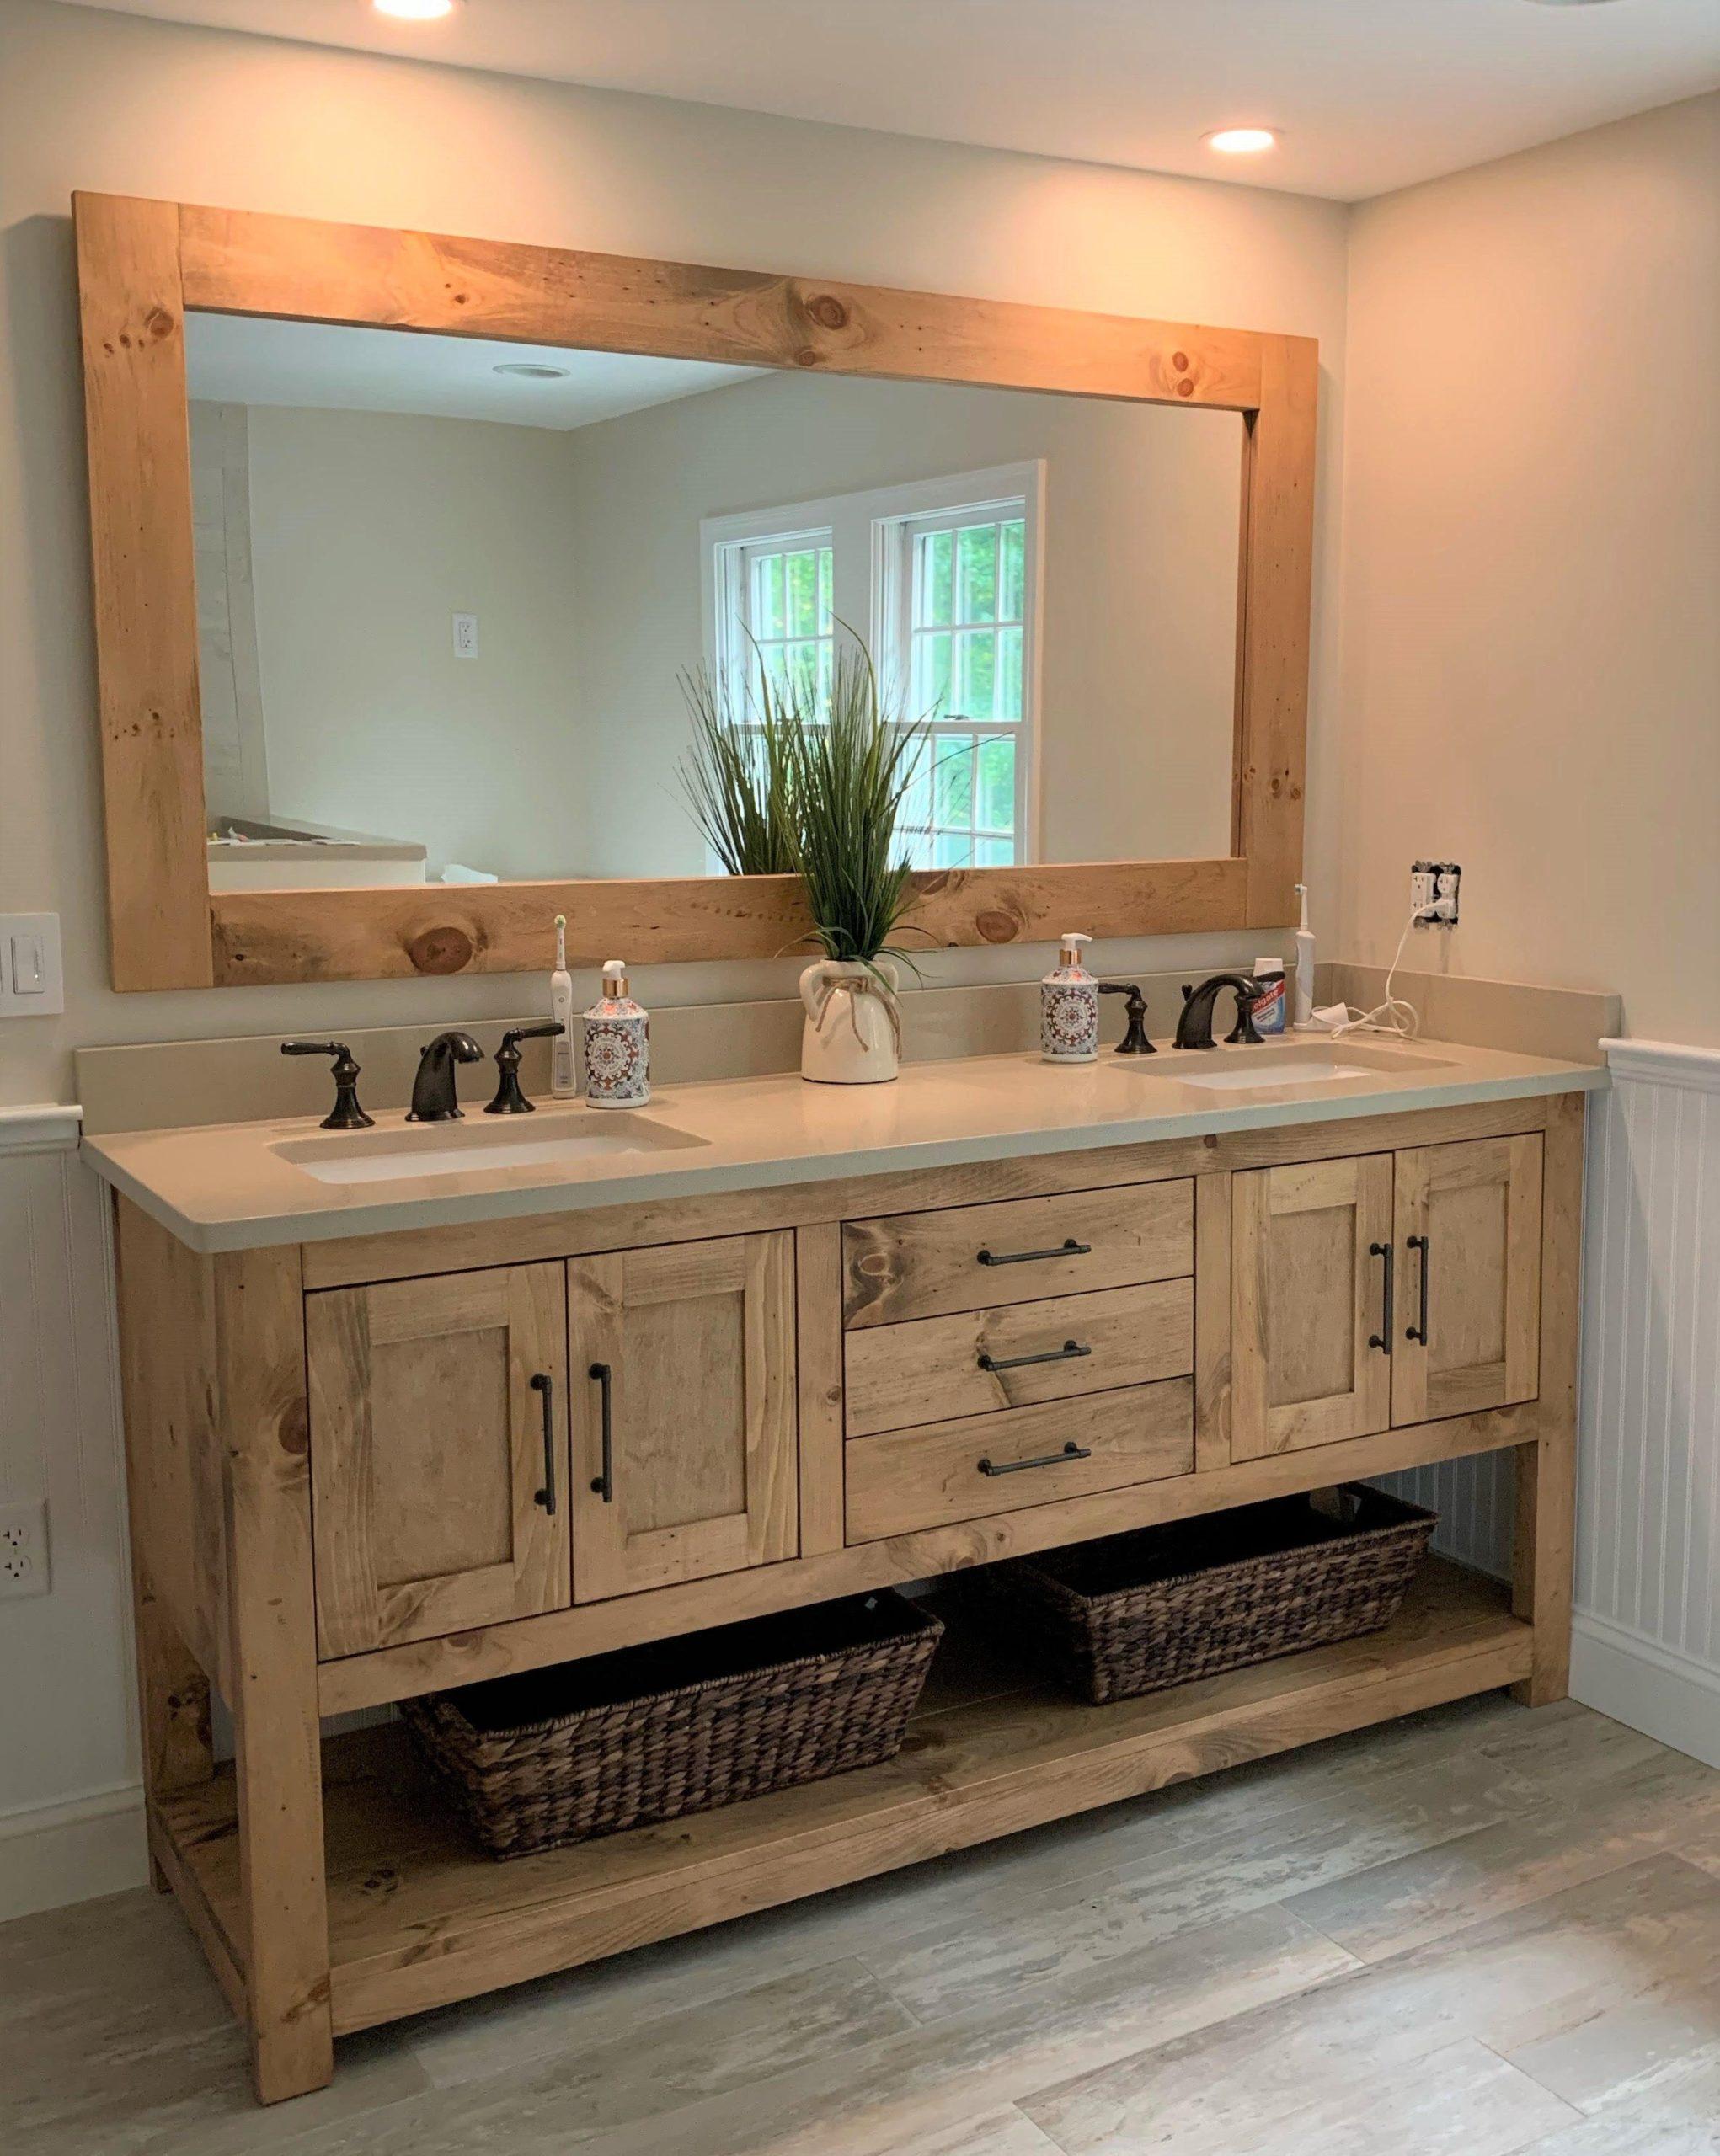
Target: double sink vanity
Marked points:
412	1406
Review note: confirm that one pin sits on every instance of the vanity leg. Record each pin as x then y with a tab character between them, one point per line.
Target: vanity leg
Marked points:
172	1707
260	1325
1546	1469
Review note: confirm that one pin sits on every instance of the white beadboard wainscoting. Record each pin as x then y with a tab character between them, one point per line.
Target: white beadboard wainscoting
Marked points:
1647	1633
71	1803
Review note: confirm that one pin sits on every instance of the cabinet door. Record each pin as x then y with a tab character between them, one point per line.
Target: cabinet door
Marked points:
1311	1360
686	1354
1469	1267
438	1454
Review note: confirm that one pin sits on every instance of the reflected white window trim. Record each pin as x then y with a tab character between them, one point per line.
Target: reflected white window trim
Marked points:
872	535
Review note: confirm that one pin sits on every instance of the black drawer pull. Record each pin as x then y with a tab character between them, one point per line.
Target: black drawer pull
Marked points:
1382	1338
604	1484
543	1386
1070	1351
1419	1331
1070	1451
1067	1248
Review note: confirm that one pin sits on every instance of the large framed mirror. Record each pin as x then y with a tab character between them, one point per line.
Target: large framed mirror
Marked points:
416	558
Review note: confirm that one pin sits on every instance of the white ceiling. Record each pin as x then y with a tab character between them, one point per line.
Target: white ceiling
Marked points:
247	360
1369	94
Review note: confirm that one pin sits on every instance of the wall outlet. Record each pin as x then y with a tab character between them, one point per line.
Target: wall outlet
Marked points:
1435	884
23	1549
466	636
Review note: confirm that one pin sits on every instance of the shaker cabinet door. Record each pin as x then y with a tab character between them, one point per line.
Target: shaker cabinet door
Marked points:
683	1414
438	1454
1469	1291
1310	1353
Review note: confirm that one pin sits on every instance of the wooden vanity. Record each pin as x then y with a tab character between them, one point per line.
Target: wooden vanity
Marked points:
368	1466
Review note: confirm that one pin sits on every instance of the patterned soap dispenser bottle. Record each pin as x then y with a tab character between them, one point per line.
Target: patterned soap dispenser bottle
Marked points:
1069	1007
617	1045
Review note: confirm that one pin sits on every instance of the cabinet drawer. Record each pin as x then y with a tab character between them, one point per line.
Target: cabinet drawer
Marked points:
944	1473
975	1362
977	1257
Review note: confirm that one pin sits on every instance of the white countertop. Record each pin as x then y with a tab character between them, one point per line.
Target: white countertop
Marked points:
243	1185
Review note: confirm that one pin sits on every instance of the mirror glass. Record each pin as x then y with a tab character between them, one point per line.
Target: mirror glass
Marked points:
450	592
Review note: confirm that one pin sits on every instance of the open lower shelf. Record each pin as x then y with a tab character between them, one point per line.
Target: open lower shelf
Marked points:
418	1917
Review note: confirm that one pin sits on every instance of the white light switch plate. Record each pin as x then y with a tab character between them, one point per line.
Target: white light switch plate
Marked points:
32	984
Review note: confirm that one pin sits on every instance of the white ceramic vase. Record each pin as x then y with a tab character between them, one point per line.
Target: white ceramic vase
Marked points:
853	1032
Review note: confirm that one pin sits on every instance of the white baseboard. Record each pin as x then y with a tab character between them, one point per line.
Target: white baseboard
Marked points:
1635	1680
53	1854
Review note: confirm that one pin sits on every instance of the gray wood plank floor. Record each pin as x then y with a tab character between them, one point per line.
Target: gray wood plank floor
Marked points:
1474	1932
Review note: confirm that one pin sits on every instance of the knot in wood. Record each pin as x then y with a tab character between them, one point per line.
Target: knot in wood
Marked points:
827	311
441	951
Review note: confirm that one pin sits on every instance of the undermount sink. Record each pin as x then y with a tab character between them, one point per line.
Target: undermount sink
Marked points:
1251	1070
468	1148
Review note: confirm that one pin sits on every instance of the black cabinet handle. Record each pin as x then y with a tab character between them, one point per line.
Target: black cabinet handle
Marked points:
1419	1331
1068	1353
543	1386
1382	1338
1070	1451
1067	1248
604	1484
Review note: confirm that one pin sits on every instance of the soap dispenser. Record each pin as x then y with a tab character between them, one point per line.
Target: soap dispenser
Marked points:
1069	1007
617	1045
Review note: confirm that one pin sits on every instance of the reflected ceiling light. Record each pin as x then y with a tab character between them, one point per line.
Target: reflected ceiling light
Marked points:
413	11
1241	141
532	371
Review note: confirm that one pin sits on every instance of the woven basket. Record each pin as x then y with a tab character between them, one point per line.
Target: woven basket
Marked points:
1136	1613
593	1747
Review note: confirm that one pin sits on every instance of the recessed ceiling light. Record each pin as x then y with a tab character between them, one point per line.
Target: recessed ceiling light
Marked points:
1241	141
414	11
532	371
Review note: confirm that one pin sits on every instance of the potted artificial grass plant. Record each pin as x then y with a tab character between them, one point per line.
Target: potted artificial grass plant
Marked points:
814	783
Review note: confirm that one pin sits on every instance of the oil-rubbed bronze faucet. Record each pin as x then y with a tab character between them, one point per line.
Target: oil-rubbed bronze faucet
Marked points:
434	1096
1194	1021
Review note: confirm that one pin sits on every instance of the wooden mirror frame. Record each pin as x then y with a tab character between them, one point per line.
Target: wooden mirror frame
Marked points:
141	264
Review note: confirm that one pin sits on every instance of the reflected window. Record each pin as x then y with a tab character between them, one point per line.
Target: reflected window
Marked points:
778	619
941	574
960	626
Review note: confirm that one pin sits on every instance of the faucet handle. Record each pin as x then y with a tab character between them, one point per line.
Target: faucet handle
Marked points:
509	1099
1135	1041
1245	1029
346	1114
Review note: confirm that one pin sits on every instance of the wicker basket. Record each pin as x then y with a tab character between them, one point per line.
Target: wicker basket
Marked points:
1136	1613
593	1747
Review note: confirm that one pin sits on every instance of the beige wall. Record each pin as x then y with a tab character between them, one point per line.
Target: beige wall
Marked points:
1532	585
111	101
1139	623
369	530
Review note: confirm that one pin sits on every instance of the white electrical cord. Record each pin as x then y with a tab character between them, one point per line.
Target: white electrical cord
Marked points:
1393	1015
